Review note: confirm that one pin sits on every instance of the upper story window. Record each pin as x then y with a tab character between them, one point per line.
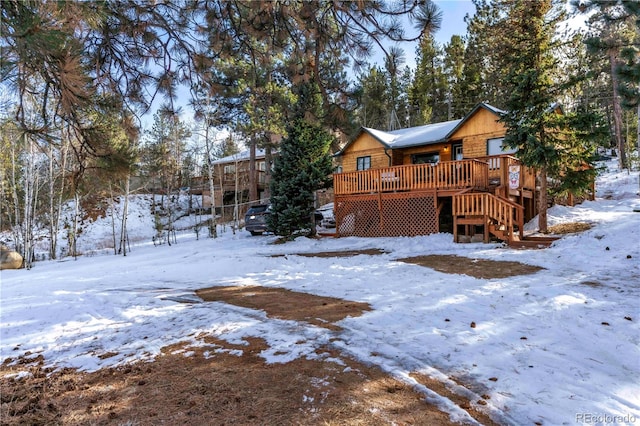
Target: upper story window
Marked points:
495	146
363	163
261	166
229	168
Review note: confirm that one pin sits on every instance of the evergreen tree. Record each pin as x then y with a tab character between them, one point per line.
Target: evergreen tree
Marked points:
532	123
373	99
484	73
393	61
471	83
583	130
454	71
428	93
302	167
164	149
614	34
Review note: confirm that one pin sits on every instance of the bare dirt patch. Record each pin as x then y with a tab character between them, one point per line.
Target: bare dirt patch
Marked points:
570	228
286	304
479	268
210	386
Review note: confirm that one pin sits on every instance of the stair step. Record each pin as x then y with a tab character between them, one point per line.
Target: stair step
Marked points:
533	242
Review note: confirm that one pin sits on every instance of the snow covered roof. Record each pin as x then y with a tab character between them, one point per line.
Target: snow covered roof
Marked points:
491	108
241	156
422	135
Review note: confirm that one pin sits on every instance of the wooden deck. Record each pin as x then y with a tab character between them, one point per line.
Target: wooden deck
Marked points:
481	191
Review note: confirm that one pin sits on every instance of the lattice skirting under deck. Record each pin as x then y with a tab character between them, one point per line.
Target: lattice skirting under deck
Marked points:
387	214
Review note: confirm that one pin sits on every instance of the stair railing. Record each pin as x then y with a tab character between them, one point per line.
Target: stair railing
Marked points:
501	210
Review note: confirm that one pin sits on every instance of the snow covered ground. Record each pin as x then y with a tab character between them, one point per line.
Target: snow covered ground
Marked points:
561	346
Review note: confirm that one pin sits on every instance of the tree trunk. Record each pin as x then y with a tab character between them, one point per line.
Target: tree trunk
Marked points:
73	244
113	220
617	112
17	225
52	212
125	214
31	183
268	160
253	187
542	202
53	244
236	220
213	230
222	206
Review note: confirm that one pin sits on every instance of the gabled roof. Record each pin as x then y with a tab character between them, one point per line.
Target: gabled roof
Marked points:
411	136
497	111
421	135
240	156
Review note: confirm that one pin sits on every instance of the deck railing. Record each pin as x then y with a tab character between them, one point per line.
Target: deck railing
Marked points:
447	175
499	167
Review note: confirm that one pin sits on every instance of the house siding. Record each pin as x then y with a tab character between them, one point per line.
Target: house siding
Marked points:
365	145
475	132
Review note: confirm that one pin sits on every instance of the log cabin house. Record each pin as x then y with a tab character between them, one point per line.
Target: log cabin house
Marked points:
454	176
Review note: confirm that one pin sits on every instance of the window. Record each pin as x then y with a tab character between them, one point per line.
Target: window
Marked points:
495	147
229	168
363	163
457	152
426	158
261	166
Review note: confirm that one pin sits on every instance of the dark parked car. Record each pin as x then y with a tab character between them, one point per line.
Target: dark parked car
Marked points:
255	221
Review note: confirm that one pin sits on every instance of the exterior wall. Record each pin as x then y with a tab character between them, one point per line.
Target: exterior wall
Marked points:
476	130
365	145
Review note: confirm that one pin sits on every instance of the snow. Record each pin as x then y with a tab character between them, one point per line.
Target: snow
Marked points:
420	135
561	346
240	156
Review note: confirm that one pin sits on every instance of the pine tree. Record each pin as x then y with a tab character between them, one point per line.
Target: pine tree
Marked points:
484	76
428	93
454	71
302	167
532	123
373	99
614	34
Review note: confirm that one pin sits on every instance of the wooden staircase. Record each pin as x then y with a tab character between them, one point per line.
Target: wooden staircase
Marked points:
498	216
501	218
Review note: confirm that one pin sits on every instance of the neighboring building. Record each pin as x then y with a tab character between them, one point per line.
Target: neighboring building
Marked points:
446	177
231	177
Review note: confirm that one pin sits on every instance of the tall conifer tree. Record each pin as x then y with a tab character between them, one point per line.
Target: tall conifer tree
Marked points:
532	124
302	167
